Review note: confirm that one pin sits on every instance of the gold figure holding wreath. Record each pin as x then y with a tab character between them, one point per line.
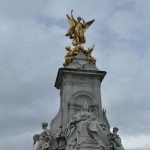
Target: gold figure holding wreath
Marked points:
88	53
77	29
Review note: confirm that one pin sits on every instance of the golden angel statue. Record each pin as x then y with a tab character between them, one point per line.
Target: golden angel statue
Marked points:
77	29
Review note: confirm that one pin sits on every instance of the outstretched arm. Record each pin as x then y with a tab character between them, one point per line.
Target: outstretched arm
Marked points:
72	14
93	46
84	23
83	20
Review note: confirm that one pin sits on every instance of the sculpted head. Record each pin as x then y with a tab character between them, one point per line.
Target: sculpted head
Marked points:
68	48
85	106
115	130
44	125
79	19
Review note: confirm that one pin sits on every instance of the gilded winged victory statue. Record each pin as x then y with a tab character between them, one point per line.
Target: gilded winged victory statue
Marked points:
77	29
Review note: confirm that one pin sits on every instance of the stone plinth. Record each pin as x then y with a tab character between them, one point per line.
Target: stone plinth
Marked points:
79	83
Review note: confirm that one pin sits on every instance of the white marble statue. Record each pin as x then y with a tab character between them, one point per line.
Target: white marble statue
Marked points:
115	140
85	128
46	141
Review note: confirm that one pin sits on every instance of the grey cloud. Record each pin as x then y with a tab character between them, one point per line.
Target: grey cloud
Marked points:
32	49
52	21
19	9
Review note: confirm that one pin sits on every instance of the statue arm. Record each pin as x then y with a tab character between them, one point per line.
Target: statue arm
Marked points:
72	16
77	119
93	46
90	49
72	23
113	136
36	138
81	119
83	20
84	23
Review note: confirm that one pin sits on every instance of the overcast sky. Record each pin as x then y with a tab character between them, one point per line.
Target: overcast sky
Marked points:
32	49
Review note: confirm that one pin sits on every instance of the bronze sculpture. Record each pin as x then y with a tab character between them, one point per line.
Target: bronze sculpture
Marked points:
77	29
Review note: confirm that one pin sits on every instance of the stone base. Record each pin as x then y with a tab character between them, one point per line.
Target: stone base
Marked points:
89	147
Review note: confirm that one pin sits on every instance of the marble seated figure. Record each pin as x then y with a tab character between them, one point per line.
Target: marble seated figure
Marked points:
85	128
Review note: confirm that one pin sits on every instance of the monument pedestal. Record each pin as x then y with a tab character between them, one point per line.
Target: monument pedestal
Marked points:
78	84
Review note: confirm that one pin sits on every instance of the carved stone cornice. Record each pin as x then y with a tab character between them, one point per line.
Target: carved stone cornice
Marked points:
70	71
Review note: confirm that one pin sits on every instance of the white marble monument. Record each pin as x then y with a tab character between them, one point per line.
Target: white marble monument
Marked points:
81	122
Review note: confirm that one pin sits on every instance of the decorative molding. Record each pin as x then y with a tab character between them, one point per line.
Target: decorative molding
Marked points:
79	93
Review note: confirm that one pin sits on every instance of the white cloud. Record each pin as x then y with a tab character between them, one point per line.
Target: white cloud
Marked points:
137	142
